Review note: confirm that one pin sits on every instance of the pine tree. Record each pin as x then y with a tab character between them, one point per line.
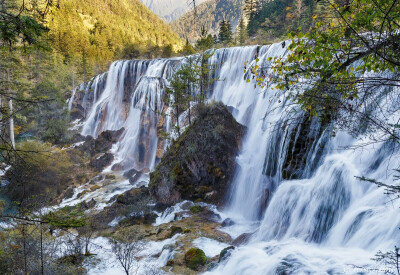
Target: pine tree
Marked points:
242	31
222	31
251	8
225	32
206	40
188	48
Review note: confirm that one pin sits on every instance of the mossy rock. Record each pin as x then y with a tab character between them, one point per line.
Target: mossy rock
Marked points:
201	161
175	230
225	253
195	258
196	209
110	177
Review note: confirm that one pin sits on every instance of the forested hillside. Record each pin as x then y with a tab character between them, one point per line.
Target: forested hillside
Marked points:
209	15
273	20
99	30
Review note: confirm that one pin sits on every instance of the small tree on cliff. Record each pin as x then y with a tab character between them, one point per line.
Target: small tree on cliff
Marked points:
190	83
182	85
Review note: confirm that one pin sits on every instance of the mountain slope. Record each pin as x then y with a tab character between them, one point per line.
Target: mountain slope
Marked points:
98	29
169	9
210	14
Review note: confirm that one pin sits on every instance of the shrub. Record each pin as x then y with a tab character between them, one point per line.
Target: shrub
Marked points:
195	258
39	172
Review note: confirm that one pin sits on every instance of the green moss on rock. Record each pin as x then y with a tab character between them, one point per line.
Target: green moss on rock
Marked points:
196	208
175	230
201	161
195	258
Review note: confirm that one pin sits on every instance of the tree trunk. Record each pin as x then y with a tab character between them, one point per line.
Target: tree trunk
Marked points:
177	120
41	249
10	106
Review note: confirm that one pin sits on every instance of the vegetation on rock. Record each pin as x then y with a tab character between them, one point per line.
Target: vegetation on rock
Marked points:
197	162
195	258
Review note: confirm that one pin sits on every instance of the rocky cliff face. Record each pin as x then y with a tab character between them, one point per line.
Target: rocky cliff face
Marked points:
200	164
169	10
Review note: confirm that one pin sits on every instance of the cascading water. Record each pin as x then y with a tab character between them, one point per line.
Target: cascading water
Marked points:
311	216
131	98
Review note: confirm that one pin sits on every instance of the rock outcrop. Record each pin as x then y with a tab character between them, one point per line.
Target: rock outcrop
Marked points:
200	164
97	148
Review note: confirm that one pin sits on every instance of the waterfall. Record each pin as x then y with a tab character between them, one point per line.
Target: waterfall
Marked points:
309	216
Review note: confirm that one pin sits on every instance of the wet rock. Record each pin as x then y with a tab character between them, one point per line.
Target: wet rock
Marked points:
175	230
88	205
242	239
77	138
200	164
133	175
134	196
180	215
169	247
68	193
227	222
77	113
225	253
102	143
101	162
170	263
301	143
187	205
196	209
138	219
110	177
81	194
210	215
96	179
160	207
128	174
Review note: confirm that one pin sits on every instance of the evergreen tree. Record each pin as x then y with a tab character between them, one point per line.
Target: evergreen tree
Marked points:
182	84
206	40
242	31
225	32
188	48
251	8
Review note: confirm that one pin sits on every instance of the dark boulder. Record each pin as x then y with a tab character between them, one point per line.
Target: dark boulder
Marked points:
134	196
102	161
227	222
102	143
200	164
225	253
133	175
242	239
